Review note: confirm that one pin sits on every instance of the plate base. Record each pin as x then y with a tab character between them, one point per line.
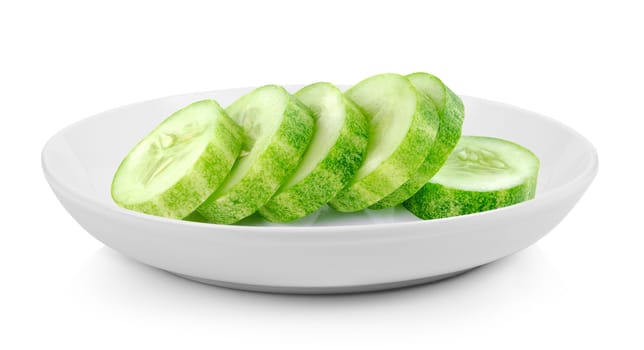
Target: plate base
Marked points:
324	290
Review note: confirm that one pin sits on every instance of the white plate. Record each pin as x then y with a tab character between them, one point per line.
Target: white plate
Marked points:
327	252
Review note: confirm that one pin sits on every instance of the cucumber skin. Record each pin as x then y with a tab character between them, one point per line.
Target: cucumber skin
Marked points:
195	217
206	176
435	201
269	171
392	173
449	132
330	176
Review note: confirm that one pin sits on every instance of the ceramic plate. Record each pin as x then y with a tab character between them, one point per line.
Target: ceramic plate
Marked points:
326	252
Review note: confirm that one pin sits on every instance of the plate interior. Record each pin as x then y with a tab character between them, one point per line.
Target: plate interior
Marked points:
84	156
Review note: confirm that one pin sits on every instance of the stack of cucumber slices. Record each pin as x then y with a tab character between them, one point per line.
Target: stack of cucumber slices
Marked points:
389	140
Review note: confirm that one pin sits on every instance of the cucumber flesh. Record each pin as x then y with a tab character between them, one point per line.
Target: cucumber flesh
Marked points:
180	163
482	173
403	125
277	129
450	112
332	159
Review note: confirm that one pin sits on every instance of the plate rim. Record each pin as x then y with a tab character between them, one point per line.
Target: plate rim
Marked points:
585	176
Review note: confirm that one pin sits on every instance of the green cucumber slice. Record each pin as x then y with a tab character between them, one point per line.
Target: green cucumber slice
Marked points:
482	173
403	125
450	112
178	165
278	129
332	159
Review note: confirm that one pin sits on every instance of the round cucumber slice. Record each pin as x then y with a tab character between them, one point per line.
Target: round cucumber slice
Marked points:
332	159
450	113
178	165
403	125
278	129
482	173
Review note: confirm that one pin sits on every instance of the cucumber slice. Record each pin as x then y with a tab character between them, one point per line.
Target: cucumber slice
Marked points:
278	129
178	165
482	173
332	159
403	125
450	113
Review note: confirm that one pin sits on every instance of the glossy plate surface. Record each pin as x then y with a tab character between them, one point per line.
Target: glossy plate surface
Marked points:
326	252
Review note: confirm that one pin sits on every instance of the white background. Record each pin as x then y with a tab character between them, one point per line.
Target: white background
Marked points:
581	63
